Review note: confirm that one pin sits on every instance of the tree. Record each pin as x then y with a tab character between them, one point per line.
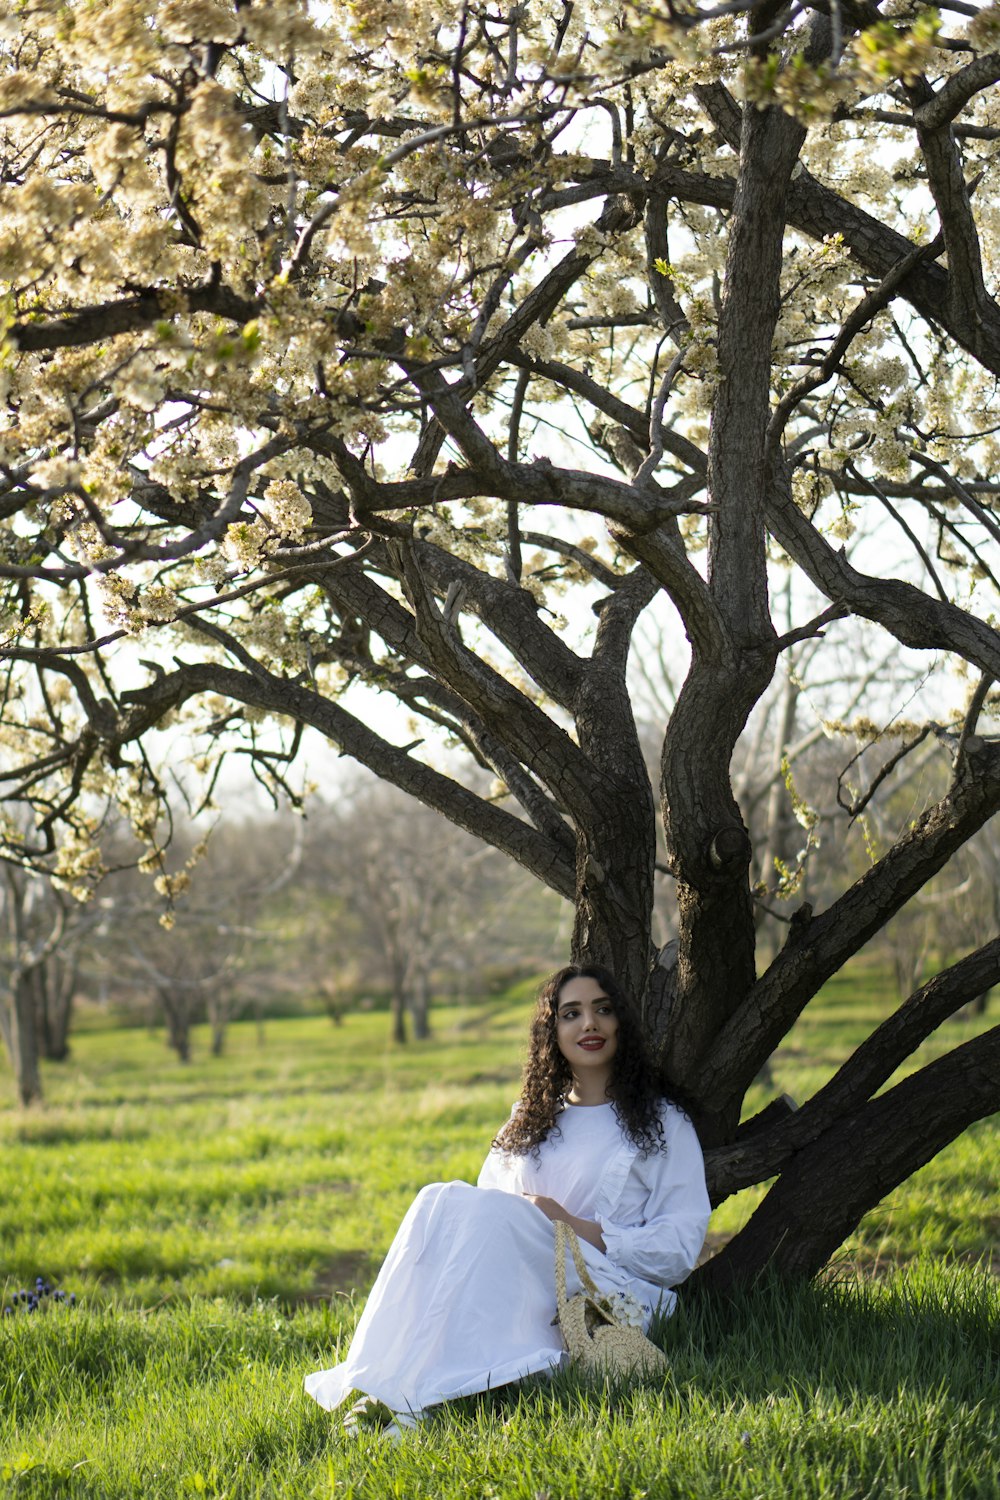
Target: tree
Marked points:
202	958
419	903
29	943
331	338
41	937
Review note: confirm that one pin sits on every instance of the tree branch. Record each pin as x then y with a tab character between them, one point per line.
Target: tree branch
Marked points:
869	306
937	110
93	325
521	725
870	1066
858	1160
967	296
913	617
604	401
822	944
258	688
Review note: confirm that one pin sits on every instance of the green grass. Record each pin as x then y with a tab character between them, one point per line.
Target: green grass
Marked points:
222	1222
276	1170
881	1390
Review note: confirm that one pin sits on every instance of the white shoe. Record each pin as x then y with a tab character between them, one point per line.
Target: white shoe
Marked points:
402	1422
371	1418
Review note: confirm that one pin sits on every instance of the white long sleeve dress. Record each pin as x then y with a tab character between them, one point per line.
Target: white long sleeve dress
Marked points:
465	1298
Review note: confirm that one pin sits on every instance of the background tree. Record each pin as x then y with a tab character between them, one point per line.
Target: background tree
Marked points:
410	902
32	931
366	348
202	958
42	936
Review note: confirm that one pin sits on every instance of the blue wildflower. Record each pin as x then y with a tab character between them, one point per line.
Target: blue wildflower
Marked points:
32	1299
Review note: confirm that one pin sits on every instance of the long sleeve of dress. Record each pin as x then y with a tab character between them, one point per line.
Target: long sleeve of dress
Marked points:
660	1239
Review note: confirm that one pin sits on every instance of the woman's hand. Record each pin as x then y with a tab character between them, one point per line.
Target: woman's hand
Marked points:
585	1229
550	1208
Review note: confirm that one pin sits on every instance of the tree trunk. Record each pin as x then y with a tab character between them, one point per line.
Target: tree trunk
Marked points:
55	983
24	1039
218	1010
779	823
178	1020
732	637
333	1002
6	1020
420	1005
397	1007
614	812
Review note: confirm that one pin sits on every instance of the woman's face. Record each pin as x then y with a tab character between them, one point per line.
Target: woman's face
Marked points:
586	1026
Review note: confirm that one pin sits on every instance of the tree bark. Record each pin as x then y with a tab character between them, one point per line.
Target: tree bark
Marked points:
615	815
420	1005
768	1142
708	842
397	1006
819	945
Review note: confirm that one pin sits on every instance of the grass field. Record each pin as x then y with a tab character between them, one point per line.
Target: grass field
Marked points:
221	1223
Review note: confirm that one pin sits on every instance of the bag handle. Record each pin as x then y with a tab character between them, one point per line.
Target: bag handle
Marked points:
566	1235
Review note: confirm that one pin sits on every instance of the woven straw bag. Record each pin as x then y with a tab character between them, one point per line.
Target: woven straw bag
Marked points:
594	1337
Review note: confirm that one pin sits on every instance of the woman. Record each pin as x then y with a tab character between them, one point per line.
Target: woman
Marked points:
465	1299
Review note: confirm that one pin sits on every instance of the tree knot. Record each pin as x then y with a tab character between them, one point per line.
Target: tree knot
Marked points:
729	848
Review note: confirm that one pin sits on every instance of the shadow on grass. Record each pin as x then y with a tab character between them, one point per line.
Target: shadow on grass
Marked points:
925	1330
347	1274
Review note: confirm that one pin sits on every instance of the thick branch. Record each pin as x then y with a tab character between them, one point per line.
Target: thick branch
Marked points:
93	325
545	859
953	95
913	617
737	471
872	303
511	613
542	483
605	401
820	212
540	303
967	297
857	1161
517	721
868	1068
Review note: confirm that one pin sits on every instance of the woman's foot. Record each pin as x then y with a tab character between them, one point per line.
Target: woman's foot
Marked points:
368	1417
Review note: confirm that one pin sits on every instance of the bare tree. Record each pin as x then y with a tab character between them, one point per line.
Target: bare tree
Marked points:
425	354
419	903
25	950
42	933
199	959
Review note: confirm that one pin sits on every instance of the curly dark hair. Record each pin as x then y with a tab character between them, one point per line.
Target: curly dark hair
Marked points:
634	1089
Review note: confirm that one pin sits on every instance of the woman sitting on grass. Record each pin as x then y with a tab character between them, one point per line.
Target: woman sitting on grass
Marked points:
465	1299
